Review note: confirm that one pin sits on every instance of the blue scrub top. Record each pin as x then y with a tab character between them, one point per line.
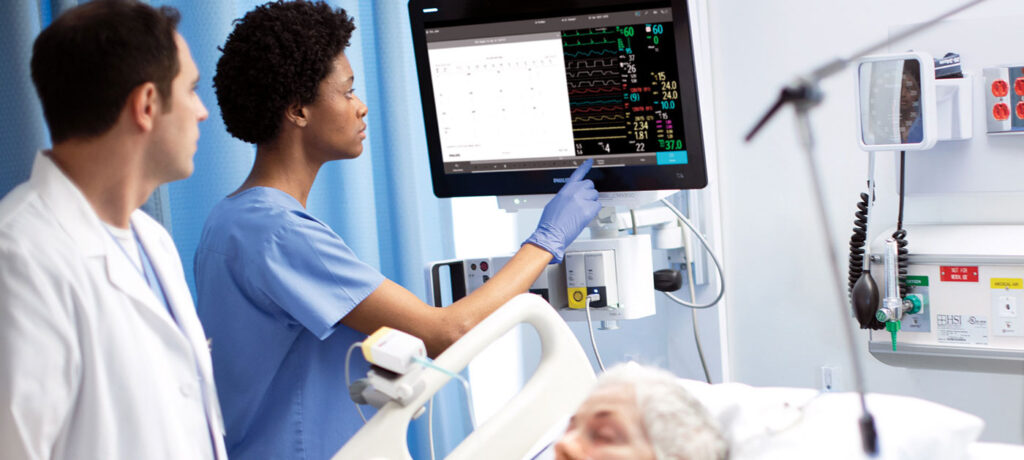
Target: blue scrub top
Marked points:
272	283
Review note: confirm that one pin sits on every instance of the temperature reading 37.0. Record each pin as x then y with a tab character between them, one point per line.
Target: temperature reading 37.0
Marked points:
623	91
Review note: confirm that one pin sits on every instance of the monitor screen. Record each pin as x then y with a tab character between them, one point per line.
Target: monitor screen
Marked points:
517	94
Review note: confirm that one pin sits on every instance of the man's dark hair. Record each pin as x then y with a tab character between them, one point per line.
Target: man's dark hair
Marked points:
88	61
277	56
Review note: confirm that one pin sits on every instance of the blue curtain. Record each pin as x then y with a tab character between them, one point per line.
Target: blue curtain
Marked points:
22	130
381	203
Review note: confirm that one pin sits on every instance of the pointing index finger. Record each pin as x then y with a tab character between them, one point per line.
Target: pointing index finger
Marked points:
581	171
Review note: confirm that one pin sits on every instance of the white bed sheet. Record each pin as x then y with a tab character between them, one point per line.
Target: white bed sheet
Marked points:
799	423
995	451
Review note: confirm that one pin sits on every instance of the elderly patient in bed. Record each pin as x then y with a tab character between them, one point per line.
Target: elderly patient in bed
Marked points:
640	413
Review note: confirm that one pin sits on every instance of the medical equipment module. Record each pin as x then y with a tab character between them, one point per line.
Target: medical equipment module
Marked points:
969	282
619	271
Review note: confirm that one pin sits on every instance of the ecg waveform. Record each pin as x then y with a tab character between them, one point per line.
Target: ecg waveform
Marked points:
623	89
590	63
607	89
589	53
591	73
598	118
593	83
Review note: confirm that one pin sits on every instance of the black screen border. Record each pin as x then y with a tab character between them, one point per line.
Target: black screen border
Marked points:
692	175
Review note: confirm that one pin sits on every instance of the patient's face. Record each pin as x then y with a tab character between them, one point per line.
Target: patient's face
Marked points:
607	426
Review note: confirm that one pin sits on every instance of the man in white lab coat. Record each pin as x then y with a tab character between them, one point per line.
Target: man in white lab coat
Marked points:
101	353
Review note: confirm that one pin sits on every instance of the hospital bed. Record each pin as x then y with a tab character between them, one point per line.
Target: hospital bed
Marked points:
760	423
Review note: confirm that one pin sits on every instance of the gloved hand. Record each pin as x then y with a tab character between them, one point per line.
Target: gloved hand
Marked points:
567	214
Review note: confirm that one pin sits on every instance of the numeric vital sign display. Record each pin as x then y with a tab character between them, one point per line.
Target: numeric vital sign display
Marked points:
623	89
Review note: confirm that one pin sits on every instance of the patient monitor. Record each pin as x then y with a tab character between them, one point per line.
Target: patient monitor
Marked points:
517	94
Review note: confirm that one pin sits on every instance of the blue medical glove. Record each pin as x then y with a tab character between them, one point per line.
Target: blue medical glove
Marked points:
567	214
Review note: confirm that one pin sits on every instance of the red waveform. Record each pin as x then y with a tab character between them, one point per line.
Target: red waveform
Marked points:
606	89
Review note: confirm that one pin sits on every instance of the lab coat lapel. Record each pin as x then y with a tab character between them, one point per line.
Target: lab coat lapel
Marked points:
79	221
179	299
126	277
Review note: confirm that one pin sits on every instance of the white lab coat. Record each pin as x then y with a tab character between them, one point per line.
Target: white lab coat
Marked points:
92	366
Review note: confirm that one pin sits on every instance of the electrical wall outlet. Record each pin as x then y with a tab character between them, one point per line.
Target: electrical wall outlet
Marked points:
1004	99
828	378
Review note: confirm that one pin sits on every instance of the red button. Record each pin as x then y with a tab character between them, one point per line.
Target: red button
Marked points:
484	266
1001	112
1020	110
1000	88
1018	86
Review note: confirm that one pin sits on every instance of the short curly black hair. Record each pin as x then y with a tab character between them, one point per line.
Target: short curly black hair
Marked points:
277	56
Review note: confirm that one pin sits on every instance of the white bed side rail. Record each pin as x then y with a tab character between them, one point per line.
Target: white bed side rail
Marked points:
560	383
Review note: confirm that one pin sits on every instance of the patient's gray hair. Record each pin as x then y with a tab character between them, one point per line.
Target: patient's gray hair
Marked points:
676	424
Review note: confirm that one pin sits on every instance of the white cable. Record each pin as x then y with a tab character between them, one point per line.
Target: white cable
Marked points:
465	384
430	425
590	327
693	314
704	242
348	380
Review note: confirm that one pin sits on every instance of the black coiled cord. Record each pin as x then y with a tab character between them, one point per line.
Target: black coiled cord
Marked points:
900	235
858	240
903	256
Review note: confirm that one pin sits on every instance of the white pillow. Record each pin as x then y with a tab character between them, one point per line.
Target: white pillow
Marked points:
798	423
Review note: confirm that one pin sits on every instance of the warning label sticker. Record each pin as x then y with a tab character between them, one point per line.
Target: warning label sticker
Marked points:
962	329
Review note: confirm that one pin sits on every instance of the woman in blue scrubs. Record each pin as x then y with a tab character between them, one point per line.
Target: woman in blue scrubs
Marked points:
279	293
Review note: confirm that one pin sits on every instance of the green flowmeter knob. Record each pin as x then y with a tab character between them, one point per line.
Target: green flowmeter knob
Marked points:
881	315
893	327
912	304
885	314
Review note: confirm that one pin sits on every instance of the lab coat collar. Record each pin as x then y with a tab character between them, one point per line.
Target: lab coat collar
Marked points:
79	221
73	212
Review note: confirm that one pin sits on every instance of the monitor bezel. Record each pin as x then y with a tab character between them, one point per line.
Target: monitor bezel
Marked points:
692	175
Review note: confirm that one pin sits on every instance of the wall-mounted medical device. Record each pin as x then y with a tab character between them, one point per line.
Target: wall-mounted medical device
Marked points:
902	106
517	94
1004	99
615	275
967	283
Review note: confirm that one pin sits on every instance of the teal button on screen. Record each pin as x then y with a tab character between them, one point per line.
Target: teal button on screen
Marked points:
677	157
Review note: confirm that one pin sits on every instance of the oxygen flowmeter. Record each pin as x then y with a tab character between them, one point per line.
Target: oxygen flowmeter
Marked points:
893	307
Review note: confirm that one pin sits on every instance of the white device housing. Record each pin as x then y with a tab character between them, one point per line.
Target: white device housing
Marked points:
929	117
953	98
634	276
393	350
633	270
970	281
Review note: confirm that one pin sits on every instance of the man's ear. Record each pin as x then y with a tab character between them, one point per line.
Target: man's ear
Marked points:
143	105
296	114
